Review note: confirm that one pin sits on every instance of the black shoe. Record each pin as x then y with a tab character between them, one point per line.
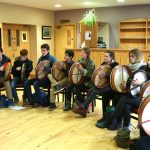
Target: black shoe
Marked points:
16	100
115	125
58	89
101	120
67	107
52	106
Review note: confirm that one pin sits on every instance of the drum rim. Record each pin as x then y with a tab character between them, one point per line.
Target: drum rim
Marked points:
53	70
112	81
141	109
70	71
94	74
144	87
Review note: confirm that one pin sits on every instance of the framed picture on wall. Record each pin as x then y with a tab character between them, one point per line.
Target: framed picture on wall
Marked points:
24	36
46	32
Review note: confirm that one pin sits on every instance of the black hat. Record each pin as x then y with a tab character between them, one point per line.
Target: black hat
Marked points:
1	49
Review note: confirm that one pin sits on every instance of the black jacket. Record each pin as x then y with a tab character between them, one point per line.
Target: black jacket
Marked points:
19	63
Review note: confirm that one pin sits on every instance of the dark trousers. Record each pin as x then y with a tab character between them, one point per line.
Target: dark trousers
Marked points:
37	84
124	106
96	91
77	90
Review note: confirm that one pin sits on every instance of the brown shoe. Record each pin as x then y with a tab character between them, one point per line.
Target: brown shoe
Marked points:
81	111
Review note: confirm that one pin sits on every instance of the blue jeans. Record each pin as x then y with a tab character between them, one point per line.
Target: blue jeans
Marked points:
36	84
14	82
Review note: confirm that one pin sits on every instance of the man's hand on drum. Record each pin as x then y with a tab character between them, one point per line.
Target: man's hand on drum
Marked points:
80	67
136	82
1	68
102	75
18	68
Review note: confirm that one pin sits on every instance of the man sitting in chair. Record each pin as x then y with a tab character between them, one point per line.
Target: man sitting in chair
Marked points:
21	71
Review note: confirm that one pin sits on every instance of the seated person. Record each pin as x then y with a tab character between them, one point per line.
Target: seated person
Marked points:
83	108
35	81
87	70
21	71
3	61
127	101
57	87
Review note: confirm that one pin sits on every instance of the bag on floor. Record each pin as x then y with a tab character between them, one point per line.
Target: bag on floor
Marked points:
123	137
3	101
42	99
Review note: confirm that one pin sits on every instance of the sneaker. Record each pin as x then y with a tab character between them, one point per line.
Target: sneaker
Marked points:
58	89
81	111
115	125
52	106
101	125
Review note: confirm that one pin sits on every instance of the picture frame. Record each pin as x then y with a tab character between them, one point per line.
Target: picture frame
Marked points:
24	36
46	32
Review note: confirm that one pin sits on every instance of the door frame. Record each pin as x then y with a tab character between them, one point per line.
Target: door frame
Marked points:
75	33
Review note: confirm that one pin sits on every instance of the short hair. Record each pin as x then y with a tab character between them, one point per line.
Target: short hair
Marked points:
45	46
138	54
24	52
70	53
111	53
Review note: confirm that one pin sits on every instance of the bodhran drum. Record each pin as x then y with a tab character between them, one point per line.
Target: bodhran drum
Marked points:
145	91
99	76
23	72
137	75
7	69
75	74
119	75
40	69
57	72
144	117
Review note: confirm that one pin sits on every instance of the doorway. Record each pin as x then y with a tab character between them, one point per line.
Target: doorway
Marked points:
64	39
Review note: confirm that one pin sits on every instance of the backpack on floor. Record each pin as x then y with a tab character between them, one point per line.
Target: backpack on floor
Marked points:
123	137
42	99
3	101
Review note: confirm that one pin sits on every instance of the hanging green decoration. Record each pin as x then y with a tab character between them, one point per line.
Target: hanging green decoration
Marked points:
89	18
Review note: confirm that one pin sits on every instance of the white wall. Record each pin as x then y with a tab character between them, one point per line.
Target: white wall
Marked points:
30	16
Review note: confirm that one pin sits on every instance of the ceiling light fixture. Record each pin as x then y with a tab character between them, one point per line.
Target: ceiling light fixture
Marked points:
57	5
120	1
87	3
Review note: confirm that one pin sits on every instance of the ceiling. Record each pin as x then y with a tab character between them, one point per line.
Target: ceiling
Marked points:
72	4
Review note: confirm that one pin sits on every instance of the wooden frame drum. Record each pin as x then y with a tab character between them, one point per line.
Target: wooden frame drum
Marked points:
75	74
7	69
144	115
99	76
119	74
57	72
40	69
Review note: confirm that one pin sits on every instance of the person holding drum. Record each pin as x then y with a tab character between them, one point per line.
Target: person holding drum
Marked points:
43	68
85	68
128	100
21	71
5	73
59	78
108	61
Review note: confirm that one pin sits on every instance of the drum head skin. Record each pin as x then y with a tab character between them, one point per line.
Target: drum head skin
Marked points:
57	72
144	115
40	69
75	74
119	74
7	68
99	76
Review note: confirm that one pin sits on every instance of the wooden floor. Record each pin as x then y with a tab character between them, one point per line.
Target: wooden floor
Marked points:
40	129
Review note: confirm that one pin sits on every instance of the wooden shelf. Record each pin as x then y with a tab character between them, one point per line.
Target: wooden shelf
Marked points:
135	34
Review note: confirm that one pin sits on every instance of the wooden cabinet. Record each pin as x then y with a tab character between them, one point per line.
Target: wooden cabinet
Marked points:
134	34
89	35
